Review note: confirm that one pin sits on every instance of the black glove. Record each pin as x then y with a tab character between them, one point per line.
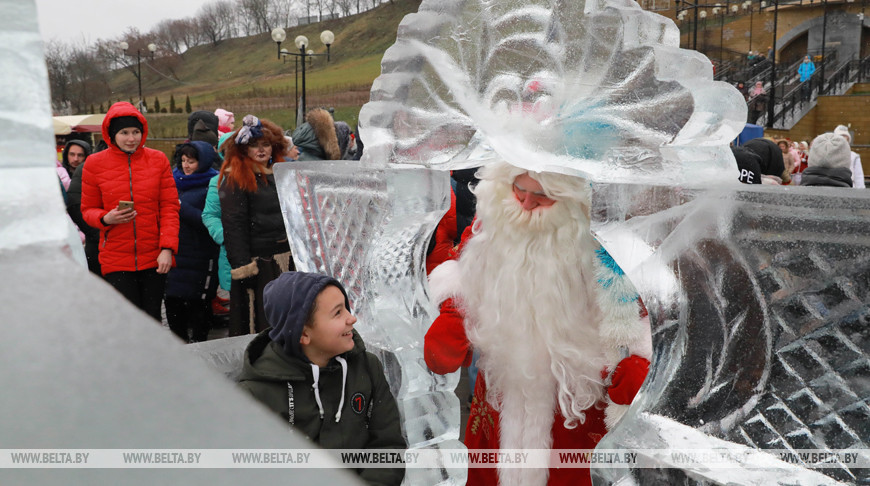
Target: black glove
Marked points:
246	283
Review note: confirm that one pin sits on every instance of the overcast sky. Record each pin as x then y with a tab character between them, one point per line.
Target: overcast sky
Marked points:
74	21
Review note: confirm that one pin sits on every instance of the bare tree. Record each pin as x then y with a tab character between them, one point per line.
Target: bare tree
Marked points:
188	31
317	4
244	23
88	77
281	12
57	61
110	52
167	38
332	7
257	13
77	76
215	20
230	12
344	6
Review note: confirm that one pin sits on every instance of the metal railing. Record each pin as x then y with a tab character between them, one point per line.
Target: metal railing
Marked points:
794	99
857	71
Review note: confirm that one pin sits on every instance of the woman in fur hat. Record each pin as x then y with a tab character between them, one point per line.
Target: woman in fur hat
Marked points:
254	234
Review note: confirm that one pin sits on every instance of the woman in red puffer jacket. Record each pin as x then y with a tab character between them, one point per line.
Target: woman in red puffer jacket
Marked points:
136	243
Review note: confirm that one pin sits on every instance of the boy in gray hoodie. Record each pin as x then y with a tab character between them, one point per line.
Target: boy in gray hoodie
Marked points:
311	368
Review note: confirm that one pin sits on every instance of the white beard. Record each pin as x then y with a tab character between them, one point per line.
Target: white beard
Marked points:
528	292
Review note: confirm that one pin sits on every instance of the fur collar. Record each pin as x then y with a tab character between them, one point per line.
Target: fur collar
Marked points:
324	129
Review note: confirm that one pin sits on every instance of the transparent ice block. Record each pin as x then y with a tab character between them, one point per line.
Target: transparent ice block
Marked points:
599	89
368	228
751	352
759	301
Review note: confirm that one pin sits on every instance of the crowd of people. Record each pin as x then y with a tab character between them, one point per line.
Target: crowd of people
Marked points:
827	161
168	234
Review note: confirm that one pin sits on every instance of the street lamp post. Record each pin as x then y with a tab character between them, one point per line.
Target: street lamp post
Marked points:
301	42
734	9
747	5
681	14
151	48
824	41
723	11
296	82
703	16
772	95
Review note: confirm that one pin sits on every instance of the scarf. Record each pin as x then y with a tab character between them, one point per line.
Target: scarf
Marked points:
197	179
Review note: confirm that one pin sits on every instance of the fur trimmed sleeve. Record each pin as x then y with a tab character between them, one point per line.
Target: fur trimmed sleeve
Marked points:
445	282
324	129
624	333
624	324
245	271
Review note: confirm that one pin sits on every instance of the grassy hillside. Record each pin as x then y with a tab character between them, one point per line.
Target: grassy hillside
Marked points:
244	75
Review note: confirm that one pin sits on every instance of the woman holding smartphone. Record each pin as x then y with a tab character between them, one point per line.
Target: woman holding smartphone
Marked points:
129	194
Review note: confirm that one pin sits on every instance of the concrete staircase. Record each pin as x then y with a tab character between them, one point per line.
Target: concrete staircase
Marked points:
851	108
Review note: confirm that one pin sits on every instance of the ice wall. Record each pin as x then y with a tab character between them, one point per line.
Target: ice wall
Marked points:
31	206
81	367
368	228
759	301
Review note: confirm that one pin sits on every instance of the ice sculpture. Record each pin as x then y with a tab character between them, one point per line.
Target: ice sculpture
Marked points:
768	352
30	205
82	368
762	335
367	227
598	89
542	85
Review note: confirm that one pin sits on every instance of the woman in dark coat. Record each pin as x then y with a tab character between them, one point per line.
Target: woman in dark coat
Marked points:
192	284
254	234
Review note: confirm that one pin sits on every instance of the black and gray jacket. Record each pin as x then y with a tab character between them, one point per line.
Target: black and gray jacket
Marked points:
827	176
344	405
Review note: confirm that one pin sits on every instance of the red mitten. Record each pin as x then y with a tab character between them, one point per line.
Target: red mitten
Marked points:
446	348
627	379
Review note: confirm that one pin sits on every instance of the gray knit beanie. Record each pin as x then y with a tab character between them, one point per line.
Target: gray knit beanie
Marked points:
830	150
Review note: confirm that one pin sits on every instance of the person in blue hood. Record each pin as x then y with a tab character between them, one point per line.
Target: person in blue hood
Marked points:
192	284
312	369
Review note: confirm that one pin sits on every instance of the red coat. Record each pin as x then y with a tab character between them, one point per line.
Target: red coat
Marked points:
483	429
447	348
445	235
143	177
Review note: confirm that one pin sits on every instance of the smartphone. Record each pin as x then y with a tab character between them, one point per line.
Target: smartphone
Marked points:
122	205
